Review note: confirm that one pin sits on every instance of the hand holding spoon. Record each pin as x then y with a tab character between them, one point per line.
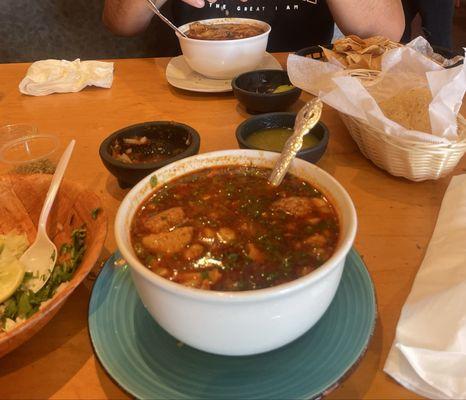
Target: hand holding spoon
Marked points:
41	256
156	11
306	119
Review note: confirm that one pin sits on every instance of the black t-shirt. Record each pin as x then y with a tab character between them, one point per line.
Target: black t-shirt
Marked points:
295	23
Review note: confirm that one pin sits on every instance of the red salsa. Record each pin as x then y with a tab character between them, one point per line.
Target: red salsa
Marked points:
227	228
143	149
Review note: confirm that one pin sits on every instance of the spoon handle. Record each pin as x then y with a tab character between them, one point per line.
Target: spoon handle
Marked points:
156	11
306	119
292	146
54	185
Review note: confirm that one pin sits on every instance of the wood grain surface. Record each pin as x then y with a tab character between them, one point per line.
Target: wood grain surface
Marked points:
396	219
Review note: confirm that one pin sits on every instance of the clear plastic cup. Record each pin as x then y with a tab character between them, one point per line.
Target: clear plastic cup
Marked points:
24	150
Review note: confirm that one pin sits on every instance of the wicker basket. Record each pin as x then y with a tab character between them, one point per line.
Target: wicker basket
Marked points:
410	159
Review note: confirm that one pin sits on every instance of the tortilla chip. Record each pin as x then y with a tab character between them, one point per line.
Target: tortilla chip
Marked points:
373	49
354	53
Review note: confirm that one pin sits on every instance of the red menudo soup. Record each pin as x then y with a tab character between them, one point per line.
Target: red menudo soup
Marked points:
200	31
227	228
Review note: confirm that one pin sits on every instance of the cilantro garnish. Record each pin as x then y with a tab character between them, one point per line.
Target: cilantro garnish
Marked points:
24	302
95	212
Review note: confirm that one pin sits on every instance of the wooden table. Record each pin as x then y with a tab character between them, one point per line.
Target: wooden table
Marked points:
396	219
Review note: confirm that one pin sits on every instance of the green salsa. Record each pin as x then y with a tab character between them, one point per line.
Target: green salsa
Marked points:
282	88
273	139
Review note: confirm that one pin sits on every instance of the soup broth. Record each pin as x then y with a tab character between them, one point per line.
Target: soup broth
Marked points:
230	31
228	229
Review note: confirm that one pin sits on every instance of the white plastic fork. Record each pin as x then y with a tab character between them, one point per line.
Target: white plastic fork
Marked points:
40	258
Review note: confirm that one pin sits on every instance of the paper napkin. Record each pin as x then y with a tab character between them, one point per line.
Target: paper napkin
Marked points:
428	355
61	76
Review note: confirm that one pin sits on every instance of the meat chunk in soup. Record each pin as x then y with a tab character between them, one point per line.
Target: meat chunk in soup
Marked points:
200	280
193	252
297	206
168	242
165	220
226	235
316	240
254	253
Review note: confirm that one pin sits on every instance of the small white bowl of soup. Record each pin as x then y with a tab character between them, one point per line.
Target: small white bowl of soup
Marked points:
222	48
225	262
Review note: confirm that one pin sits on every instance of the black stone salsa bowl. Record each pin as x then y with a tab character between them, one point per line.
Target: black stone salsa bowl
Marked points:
128	174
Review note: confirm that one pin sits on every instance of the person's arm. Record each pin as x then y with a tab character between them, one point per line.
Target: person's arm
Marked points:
126	17
130	17
367	18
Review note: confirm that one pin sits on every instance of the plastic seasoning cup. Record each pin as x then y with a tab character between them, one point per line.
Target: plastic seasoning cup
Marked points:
25	151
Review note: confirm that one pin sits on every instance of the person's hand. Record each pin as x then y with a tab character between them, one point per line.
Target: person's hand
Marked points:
201	3
195	3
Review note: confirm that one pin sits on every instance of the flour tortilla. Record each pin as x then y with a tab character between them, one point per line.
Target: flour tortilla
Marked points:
410	109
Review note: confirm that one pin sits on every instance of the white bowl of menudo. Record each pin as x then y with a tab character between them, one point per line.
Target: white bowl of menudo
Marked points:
222	48
225	262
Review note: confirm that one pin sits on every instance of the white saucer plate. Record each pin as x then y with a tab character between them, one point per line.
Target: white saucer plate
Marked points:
181	76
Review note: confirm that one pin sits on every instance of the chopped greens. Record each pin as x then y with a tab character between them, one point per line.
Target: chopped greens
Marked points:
95	212
24	303
44	166
65	248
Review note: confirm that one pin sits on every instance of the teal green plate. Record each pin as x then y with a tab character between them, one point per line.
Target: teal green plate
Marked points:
149	363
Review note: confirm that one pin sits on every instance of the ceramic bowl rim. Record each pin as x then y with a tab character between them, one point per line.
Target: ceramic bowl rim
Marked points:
308	50
105	155
121	230
289	92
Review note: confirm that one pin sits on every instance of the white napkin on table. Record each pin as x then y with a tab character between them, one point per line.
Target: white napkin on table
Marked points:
428	355
61	76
